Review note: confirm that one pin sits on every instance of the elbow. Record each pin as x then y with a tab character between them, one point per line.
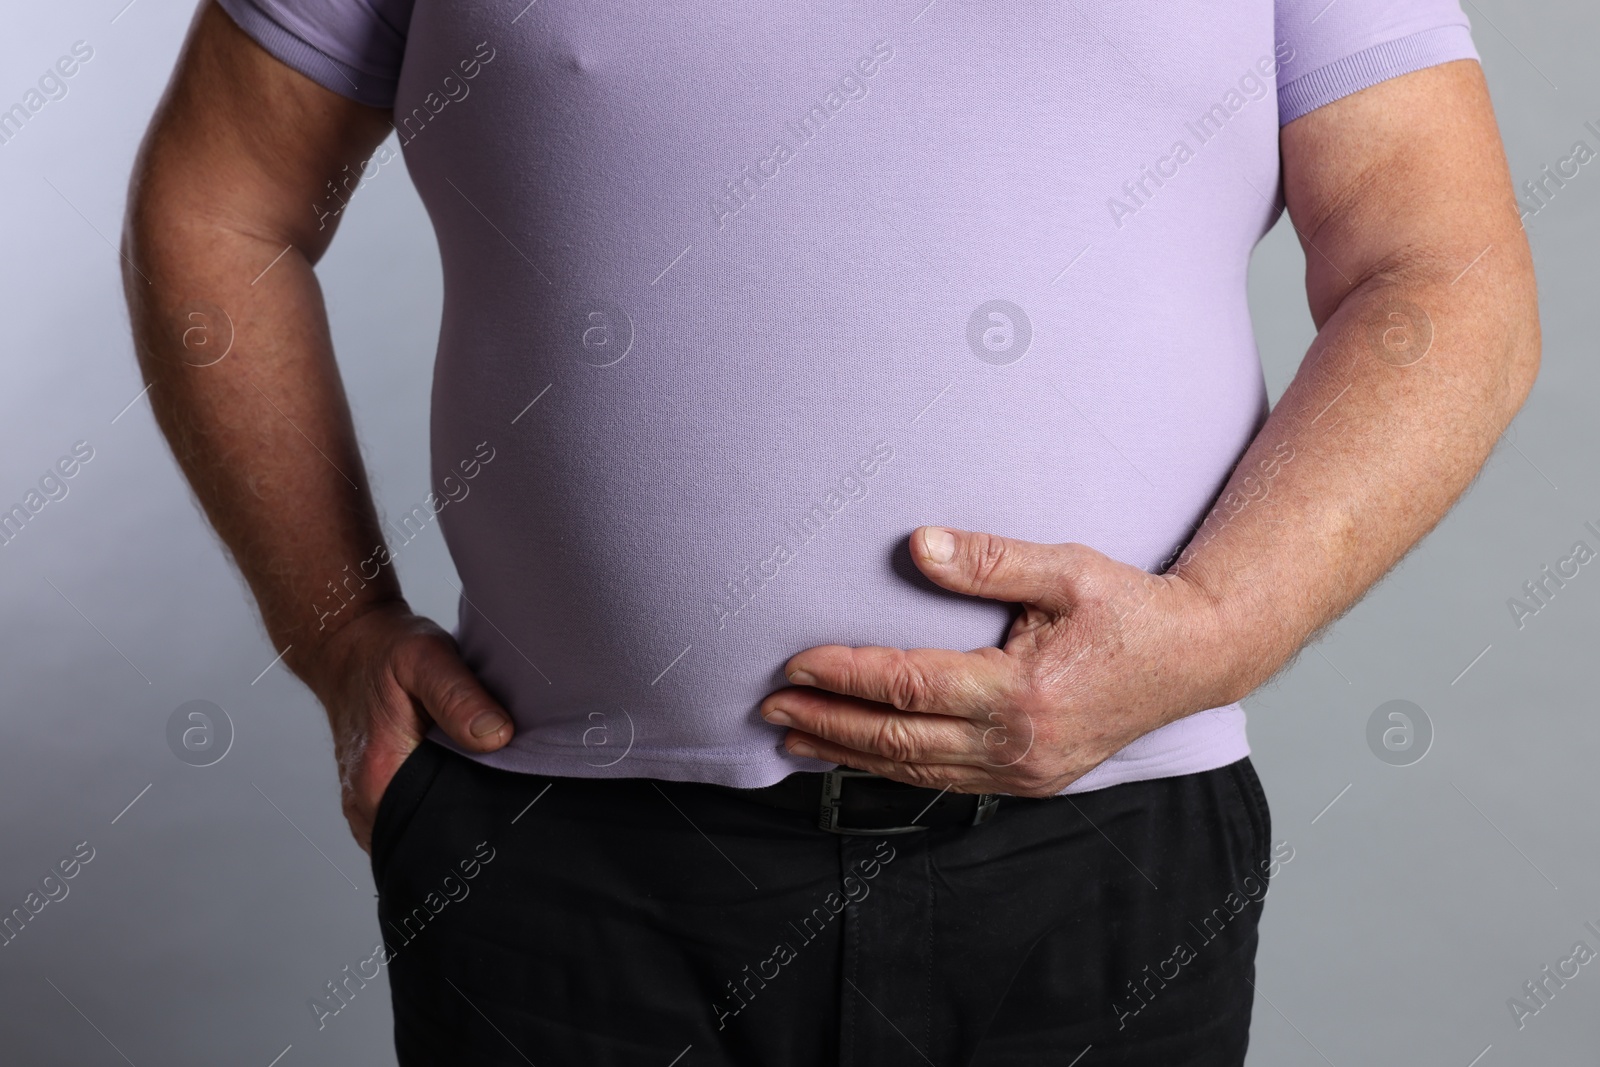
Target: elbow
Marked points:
130	244
1523	372
137	288
139	260
1523	352
141	230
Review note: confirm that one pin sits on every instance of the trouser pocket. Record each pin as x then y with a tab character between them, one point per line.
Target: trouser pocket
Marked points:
401	799
1254	798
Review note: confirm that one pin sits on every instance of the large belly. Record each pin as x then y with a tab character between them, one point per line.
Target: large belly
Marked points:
735	321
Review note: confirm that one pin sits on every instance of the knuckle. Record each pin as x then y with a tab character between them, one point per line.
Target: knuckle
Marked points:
986	556
1037	781
894	740
920	774
822	722
1029	772
423	648
1029	778
454	696
908	688
997	738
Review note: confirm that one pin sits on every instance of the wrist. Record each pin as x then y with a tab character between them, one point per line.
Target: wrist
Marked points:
321	656
1228	650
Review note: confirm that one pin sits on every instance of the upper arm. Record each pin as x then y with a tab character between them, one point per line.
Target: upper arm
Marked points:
243	142
1406	177
1391	160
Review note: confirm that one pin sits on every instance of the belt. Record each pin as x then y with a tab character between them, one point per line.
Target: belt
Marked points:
857	802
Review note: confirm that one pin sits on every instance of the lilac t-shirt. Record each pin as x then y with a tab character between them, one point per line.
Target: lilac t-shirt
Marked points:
738	293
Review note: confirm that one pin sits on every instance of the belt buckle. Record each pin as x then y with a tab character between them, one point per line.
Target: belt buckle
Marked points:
833	789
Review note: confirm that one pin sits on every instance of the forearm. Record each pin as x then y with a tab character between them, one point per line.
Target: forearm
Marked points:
1365	452
264	435
1421	284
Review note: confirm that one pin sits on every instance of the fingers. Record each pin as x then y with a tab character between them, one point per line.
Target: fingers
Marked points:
932	680
875	728
366	765
998	568
432	671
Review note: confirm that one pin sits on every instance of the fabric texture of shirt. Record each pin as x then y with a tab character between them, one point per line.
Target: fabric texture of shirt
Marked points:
738	294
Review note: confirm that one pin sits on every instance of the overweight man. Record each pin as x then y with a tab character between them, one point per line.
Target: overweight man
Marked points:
849	434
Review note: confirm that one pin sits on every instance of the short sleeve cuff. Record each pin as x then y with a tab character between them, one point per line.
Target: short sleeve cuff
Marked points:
1370	66
300	55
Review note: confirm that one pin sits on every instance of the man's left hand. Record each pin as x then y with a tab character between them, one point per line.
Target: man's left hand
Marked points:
1103	653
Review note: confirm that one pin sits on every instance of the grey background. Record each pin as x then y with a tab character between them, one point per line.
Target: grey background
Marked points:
225	896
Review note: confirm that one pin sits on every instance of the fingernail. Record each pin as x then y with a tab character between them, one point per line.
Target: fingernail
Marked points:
800	748
779	717
487	723
939	544
802	678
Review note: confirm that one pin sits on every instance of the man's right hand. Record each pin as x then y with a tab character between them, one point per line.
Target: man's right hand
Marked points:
385	677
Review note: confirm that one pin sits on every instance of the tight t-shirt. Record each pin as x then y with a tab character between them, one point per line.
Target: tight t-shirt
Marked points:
738	294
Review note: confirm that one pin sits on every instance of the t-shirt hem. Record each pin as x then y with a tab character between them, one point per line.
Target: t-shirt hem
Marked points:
1227	747
754	770
738	770
299	55
1368	67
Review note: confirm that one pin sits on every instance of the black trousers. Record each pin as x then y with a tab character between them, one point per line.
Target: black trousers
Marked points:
599	922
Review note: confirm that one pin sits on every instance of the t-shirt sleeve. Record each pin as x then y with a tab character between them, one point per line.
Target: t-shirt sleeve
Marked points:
353	47
1338	47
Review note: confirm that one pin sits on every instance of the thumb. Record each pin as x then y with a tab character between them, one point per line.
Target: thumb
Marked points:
998	568
452	696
